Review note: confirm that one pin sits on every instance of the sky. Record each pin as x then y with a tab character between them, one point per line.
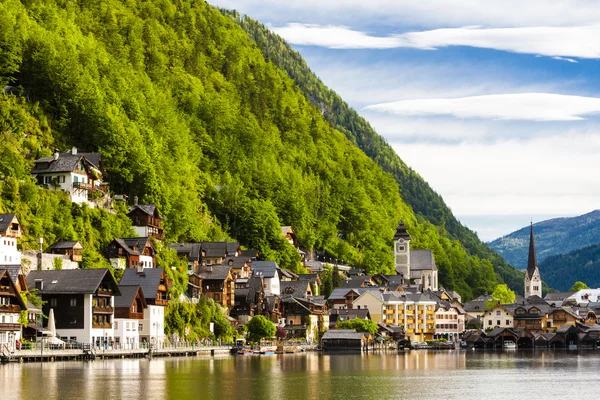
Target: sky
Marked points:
495	104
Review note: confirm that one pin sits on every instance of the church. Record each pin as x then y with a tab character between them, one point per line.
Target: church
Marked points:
416	266
533	280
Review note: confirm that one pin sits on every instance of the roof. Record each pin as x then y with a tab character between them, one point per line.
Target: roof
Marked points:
128	244
267	269
149	209
236	262
214	249
190	250
297	288
66	162
357	281
531	259
249	253
149	280
214	272
358	313
349	334
66	245
17	296
71	281
128	293
340	293
5	221
555	296
422	260
401	232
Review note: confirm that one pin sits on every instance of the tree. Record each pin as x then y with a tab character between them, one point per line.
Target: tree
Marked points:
501	295
57	263
577	286
335	278
360	325
281	333
259	328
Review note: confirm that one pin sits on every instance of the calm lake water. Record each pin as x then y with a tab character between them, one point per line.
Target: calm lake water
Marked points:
415	375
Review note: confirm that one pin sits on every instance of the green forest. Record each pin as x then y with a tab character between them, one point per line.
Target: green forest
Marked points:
188	114
563	270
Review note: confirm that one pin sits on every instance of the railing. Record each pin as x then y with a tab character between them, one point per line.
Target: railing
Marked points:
83	186
5	290
10	308
136	315
102	310
102	326
103	292
9	327
161	302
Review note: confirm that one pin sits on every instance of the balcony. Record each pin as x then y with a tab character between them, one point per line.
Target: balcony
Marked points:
83	186
161	302
104	292
102	326
6	327
11	308
5	290
102	310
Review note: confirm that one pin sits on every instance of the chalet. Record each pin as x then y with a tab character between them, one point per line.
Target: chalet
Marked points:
194	289
216	252
129	314
73	249
305	316
478	306
146	220
218	284
249	299
155	287
559	317
499	316
314	280
268	270
299	288
250	254
11	305
345	340
359	281
79	174
131	253
273	308
344	297
82	300
10	231
240	266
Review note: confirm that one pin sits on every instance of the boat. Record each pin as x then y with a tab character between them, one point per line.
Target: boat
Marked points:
509	344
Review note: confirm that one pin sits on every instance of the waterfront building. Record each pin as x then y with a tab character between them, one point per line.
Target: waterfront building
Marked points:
249	299
129	314
217	284
346	340
11	305
82	300
304	316
533	280
146	220
155	287
499	316
449	321
79	174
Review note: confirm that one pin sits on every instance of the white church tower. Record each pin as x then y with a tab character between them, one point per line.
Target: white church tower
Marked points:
533	280
402	252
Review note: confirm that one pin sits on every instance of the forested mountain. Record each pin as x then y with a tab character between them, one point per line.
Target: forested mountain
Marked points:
553	236
188	114
415	191
563	270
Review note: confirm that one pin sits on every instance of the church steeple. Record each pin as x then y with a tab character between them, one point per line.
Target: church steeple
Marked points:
533	281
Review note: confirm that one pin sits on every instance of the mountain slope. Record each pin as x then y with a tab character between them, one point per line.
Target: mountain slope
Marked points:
415	191
563	270
189	115
553	236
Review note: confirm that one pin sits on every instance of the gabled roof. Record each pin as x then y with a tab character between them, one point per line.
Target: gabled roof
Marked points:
340	293
344	334
192	251
217	249
149	209
362	313
236	262
128	244
556	296
66	245
149	280
66	162
5	221
267	269
422	260
72	281
249	253
214	272
297	288
128	293
18	298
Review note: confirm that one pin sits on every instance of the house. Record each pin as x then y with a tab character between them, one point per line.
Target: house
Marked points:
344	297
146	220
560	317
556	299
129	313
216	252
449	320
218	284
305	316
250	254
73	249
273	308
10	231
314	281
240	266
342	315
345	340
299	288
583	297
269	272
249	299
82	300
131	253
155	287
499	316
11	305
79	174
478	306
192	252
359	281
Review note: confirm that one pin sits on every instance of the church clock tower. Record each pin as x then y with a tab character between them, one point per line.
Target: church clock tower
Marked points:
402	252
533	280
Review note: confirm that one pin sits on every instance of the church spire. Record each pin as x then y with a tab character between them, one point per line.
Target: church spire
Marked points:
532	260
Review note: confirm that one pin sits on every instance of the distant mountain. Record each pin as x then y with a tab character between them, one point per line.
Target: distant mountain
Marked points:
562	271
554	236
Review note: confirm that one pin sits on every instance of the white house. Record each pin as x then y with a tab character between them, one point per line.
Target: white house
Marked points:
10	231
129	314
79	174
584	296
268	271
498	316
82	300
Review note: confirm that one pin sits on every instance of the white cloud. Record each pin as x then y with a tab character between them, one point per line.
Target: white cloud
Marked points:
519	106
576	41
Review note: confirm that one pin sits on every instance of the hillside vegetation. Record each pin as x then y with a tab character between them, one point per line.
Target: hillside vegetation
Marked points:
563	270
189	115
552	237
415	191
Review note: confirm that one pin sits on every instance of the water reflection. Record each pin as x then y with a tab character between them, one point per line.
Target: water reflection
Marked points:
416	374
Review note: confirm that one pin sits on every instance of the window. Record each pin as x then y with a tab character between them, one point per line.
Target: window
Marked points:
497	312
73	302
72	319
53	302
490	322
497	322
508	322
116	325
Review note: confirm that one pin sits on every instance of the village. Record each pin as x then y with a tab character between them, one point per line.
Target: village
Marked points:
90	309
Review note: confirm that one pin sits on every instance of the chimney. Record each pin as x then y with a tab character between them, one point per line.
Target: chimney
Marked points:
56	154
140	268
74	150
209	268
135	201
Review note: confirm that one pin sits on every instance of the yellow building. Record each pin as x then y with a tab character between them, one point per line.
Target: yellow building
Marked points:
414	312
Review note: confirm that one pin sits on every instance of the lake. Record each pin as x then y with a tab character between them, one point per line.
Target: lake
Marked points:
419	375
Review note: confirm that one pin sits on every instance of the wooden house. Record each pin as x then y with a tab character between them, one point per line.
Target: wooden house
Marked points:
11	305
147	221
218	284
73	249
131	253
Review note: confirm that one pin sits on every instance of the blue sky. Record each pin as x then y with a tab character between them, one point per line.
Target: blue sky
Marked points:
497	109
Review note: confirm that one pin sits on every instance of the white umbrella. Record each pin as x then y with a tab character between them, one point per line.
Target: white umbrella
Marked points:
51	324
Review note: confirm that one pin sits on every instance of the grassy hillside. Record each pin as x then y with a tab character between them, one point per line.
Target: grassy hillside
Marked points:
189	115
552	237
415	191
